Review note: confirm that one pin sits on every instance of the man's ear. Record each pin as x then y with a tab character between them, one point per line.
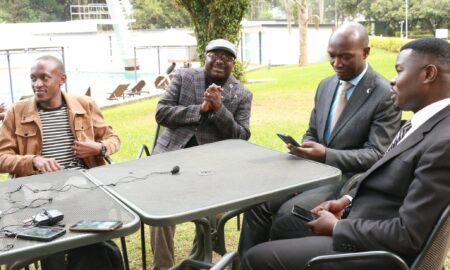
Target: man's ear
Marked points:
63	79
366	51
431	73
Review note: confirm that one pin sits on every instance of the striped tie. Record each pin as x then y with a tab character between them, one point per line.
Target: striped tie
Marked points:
401	133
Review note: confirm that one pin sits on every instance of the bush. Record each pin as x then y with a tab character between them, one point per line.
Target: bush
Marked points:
238	71
388	43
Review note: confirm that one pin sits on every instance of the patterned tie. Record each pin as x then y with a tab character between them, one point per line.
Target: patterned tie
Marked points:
401	133
341	102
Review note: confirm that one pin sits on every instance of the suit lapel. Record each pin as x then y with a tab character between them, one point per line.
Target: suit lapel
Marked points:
229	89
199	85
325	106
413	139
361	93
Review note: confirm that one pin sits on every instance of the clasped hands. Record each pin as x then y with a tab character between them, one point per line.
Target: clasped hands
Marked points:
212	99
330	212
81	149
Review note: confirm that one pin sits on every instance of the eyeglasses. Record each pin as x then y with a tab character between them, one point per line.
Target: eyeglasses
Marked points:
224	57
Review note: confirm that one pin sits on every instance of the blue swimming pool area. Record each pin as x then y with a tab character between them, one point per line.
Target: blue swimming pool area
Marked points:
77	83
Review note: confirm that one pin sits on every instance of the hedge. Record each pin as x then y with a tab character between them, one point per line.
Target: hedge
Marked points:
391	44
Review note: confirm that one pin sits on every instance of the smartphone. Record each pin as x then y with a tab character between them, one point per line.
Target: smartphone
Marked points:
287	139
40	233
304	214
95	226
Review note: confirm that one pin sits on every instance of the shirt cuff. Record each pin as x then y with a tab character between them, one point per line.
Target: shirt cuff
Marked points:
350	198
334	227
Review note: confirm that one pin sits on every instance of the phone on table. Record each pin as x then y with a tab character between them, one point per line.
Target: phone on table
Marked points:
39	233
304	214
95	226
287	139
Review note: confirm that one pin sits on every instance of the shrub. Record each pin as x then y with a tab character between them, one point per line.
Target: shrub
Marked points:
238	71
387	43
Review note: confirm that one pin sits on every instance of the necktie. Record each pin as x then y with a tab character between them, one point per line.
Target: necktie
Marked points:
341	102
401	133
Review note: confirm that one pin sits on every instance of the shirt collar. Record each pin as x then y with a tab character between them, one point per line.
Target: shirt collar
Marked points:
427	112
358	78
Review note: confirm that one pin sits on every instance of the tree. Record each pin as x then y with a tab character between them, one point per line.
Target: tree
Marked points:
31	11
151	14
302	20
302	7
430	14
214	19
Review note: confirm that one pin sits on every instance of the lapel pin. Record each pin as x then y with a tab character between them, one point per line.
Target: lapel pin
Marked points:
368	90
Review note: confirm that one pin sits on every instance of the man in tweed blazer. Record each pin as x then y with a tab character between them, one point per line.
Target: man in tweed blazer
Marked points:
201	105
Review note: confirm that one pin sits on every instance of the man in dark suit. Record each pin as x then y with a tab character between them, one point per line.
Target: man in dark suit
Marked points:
401	196
350	136
200	106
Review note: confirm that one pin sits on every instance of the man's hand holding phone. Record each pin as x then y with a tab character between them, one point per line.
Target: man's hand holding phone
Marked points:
310	150
320	222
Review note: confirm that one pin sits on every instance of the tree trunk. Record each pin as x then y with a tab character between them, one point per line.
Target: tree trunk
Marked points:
302	6
321	10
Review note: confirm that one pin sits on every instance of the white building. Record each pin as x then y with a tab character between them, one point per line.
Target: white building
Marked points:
272	43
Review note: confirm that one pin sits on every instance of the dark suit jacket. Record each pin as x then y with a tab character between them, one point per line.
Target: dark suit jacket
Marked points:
402	196
179	111
365	128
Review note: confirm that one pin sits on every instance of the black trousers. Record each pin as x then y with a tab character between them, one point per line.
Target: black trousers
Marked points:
293	254
273	220
100	256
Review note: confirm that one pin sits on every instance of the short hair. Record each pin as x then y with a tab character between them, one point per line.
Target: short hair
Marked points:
436	47
53	59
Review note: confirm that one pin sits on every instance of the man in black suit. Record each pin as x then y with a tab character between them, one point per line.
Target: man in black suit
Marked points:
401	196
350	133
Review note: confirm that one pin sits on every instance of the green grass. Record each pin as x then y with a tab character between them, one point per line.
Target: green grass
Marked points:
281	105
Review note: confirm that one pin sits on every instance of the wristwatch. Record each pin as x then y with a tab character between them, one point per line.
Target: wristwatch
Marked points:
102	150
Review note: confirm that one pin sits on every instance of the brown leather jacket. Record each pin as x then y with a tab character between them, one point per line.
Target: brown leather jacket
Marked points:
21	134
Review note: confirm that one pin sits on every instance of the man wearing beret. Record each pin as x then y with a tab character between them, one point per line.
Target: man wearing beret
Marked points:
201	105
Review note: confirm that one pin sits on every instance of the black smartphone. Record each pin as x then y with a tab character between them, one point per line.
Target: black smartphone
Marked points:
40	233
287	139
304	214
95	226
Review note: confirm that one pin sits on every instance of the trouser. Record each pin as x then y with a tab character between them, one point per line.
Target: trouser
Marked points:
162	243
293	254
257	226
100	256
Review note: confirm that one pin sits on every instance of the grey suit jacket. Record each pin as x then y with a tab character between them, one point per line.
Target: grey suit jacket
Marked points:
365	128
179	111
402	196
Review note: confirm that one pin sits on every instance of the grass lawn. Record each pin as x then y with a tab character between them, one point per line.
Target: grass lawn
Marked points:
282	105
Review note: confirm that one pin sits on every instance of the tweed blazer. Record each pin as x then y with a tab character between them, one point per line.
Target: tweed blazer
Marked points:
402	196
365	128
179	111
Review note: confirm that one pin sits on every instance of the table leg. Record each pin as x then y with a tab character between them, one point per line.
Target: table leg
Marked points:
144	259
125	253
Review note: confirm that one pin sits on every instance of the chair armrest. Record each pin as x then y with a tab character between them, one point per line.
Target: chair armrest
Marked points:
226	260
357	256
141	151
